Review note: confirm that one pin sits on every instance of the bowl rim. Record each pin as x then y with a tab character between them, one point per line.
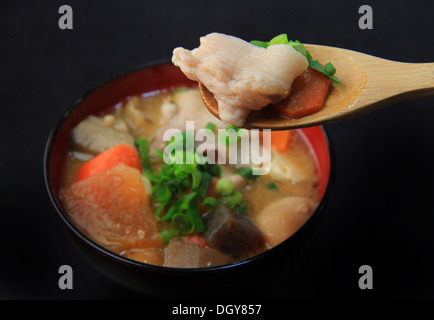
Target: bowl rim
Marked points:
150	267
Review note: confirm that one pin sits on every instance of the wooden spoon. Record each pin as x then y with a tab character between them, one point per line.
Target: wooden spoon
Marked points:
367	84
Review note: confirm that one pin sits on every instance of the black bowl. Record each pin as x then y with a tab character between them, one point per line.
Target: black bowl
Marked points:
249	278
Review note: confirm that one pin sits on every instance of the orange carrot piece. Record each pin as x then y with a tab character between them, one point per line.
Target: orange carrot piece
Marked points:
110	158
280	140
195	239
308	95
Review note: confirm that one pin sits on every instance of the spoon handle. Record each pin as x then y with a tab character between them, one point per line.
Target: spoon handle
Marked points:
390	82
417	79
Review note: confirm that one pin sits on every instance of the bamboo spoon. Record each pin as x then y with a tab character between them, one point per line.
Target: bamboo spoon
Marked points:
367	84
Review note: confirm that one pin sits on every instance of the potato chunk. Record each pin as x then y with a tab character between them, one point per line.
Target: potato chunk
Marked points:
282	218
93	136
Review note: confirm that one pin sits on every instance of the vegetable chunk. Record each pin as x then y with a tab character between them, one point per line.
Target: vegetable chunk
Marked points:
179	254
108	159
93	136
280	140
308	95
281	219
231	233
114	209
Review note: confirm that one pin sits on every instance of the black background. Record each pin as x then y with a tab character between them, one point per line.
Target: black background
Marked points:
380	211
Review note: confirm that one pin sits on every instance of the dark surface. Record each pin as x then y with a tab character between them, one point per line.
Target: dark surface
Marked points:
380	212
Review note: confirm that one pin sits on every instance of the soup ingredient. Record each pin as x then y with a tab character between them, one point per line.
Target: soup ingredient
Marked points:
146	255
229	195
233	234
242	76
225	187
328	70
308	95
247	173
282	218
272	186
179	254
190	107
134	116
283	167
280	139
179	189
196	239
113	208
110	158
233	200
238	181
92	136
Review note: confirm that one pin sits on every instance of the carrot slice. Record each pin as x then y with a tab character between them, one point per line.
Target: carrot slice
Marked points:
195	239
110	158
308	95
280	140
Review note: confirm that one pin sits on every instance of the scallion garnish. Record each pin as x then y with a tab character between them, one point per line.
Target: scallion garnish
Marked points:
328	70
210	126
225	187
234	199
210	203
246	173
178	188
272	186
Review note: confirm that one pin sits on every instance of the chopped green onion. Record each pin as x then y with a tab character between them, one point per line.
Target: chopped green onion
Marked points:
204	185
183	223
225	187
166	235
241	209
330	69
280	39
234	128
159	154
215	171
210	126
272	186
161	193
179	187
246	173
259	43
142	145
210	203
234	199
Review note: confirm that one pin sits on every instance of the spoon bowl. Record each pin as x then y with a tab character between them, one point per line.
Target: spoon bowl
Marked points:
368	83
